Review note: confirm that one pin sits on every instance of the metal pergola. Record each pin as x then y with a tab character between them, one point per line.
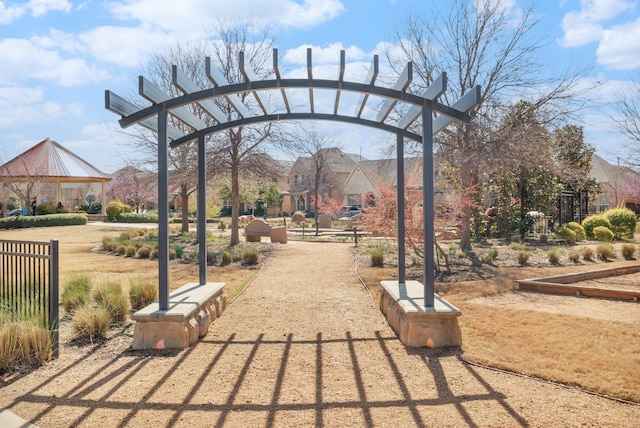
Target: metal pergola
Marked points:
155	118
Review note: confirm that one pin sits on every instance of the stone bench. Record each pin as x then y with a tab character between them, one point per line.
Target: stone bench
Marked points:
192	308
259	228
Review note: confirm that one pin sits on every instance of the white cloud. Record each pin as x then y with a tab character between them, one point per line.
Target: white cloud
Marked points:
201	13
323	55
10	14
104	146
124	46
21	106
41	7
620	47
585	26
31	59
38	8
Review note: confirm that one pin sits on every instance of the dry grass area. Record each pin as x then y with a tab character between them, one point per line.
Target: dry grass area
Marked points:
79	247
590	343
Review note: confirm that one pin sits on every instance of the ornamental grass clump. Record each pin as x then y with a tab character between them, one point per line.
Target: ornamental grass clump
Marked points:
628	251
22	341
77	291
490	255
523	257
605	251
574	256
91	322
226	258
553	255
377	257
250	256
111	297
142	292
144	252
587	253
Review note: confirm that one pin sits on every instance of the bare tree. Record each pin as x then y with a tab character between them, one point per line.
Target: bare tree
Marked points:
230	151
481	43
627	120
237	148
182	160
319	178
23	180
132	186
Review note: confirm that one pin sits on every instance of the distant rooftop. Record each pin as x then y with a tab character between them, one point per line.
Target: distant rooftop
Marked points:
51	160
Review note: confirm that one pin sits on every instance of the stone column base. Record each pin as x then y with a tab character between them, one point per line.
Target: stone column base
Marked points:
192	308
403	306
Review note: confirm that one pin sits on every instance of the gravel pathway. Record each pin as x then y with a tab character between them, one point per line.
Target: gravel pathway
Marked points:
303	346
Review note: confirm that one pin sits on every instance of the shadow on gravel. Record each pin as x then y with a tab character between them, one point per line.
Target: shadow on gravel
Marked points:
290	381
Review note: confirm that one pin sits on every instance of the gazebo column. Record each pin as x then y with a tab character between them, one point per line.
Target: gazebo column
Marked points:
58	191
103	195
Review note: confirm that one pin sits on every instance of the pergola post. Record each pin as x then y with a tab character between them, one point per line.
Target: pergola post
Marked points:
163	209
202	210
427	205
400	203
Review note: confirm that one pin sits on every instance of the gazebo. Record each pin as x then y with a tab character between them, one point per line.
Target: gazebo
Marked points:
50	162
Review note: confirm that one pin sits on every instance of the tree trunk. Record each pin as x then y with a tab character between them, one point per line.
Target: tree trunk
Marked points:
466	211
465	230
315	208
185	208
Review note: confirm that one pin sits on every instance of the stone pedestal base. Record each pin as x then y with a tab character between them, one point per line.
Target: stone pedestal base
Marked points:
403	306
192	308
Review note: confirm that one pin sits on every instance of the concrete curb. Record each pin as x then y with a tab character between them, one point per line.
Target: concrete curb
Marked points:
9	420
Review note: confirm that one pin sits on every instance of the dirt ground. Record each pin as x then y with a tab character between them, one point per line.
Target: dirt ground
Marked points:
304	345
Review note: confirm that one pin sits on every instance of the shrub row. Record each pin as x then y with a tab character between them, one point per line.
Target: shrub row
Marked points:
43	221
137	217
621	222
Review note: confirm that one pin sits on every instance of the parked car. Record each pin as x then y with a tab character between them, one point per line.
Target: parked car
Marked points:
350	211
15	212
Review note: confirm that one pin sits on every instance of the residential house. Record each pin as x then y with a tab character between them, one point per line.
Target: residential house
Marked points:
620	186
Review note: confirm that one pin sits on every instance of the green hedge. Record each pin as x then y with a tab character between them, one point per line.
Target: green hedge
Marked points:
594	221
178	220
42	221
137	218
623	222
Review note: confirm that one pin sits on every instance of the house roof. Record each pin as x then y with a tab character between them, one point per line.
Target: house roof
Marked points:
603	172
49	160
386	169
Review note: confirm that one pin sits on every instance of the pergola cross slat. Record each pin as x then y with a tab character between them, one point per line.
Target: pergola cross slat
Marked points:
419	107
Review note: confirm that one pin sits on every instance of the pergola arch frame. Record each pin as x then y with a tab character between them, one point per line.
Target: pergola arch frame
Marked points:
155	117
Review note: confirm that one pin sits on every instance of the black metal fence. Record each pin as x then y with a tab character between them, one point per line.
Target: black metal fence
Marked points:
29	282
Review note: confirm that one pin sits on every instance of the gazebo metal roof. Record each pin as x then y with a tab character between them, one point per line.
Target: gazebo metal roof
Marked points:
50	162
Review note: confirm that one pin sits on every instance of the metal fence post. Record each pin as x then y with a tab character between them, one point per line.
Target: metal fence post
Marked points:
54	299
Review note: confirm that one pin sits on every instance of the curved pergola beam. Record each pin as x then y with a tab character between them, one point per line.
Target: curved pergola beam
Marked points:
149	112
295	116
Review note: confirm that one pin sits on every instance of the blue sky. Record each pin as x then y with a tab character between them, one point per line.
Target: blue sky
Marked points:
57	57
